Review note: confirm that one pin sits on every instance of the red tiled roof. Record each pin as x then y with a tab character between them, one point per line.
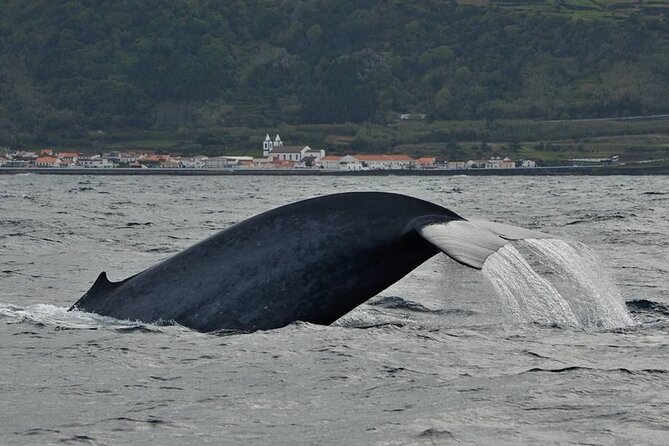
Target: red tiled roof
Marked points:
46	159
331	158
426	160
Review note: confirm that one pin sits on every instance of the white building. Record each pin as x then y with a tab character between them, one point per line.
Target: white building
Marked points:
29	157
15	163
226	162
128	158
334	162
497	162
68	158
114	157
529	163
507	163
371	162
195	162
289	153
95	161
383	162
47	161
330	162
455	165
349	162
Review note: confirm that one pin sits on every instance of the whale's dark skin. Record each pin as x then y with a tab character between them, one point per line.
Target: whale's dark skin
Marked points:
314	261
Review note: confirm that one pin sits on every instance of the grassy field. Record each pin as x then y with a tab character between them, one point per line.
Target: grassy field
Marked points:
581	9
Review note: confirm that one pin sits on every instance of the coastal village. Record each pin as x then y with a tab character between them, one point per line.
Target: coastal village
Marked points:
275	155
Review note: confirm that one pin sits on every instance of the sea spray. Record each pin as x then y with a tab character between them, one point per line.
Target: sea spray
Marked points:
60	317
571	287
525	295
590	291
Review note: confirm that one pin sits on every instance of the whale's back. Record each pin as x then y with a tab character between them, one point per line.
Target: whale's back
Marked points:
314	260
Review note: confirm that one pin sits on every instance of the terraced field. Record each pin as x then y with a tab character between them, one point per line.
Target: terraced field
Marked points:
581	8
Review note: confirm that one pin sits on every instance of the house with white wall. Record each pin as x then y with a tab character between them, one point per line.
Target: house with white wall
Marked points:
223	162
383	162
335	162
47	161
68	158
193	162
497	162
330	162
95	161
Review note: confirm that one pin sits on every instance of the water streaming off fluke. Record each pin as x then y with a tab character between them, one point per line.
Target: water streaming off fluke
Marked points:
591	291
554	281
525	295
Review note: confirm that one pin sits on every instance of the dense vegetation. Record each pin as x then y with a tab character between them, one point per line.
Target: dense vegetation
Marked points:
81	71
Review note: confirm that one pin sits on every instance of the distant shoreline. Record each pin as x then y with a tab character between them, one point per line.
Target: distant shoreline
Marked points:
537	171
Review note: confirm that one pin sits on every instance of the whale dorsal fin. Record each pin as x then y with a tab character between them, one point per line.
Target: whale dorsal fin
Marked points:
471	242
101	288
101	285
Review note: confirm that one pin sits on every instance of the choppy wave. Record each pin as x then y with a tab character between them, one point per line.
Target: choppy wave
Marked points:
647	306
422	377
363	318
398	303
649	313
582	368
599	217
369	316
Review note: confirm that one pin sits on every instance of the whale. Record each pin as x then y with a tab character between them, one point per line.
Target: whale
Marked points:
313	260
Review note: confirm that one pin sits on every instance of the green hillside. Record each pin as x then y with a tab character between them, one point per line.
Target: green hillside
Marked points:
203	75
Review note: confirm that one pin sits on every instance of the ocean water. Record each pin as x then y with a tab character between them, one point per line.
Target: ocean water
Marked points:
438	358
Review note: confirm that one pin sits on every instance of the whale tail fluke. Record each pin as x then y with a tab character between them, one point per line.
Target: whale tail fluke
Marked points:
471	242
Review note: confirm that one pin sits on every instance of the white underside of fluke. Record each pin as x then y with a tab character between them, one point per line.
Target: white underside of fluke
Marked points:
471	242
509	232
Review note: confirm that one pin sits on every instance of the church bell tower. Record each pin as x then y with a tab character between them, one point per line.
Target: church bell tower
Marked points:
266	146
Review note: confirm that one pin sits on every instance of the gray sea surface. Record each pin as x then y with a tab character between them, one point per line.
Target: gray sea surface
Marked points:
431	360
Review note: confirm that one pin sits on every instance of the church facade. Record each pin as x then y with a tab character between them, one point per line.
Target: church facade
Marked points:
275	150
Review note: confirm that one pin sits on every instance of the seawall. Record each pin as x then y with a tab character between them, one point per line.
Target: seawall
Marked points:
540	171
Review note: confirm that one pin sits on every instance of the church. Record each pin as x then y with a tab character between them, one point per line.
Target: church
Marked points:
275	150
